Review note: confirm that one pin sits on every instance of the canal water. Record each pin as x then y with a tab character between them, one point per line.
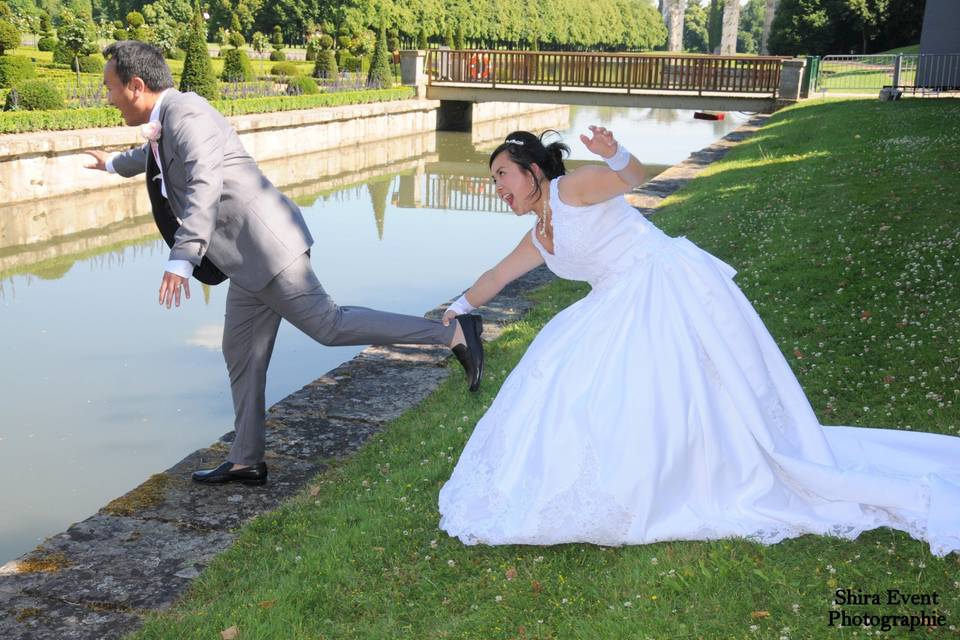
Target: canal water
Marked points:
100	387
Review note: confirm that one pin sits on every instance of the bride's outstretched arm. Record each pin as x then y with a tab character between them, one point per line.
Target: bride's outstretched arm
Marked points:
522	259
590	185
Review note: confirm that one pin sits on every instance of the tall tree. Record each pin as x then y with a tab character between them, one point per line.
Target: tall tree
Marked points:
695	36
868	15
768	14
715	25
675	10
731	24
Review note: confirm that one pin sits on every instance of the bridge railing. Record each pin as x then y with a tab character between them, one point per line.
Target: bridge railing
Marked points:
624	71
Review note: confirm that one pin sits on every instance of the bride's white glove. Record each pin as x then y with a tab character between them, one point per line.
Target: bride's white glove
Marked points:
602	143
458	307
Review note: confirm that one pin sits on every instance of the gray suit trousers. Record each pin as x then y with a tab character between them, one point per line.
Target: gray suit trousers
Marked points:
295	294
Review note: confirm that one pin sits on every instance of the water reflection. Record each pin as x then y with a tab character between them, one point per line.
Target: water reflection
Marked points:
97	377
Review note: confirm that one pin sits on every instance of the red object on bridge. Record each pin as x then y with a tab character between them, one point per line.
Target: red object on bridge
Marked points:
708	115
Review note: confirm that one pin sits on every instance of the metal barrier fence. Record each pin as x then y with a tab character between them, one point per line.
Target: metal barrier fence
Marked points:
913	72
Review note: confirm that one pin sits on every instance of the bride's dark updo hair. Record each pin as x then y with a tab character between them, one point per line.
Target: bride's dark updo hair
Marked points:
525	149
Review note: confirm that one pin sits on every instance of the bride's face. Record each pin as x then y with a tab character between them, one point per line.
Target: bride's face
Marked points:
515	186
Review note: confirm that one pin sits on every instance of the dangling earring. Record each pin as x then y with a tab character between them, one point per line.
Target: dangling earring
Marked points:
543	219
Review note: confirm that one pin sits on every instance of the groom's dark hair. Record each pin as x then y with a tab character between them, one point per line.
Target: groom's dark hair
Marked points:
141	60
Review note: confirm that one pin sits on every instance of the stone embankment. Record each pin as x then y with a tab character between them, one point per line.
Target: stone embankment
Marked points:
140	552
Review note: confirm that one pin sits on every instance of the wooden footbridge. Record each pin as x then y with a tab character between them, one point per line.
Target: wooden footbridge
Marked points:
723	83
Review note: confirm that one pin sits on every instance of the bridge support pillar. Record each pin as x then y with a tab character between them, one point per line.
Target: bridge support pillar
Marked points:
412	71
455	115
791	81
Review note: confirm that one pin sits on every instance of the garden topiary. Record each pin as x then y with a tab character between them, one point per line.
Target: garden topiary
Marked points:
176	54
302	85
277	56
34	95
381	75
197	73
284	69
326	66
237	67
90	64
9	36
15	69
46	43
62	55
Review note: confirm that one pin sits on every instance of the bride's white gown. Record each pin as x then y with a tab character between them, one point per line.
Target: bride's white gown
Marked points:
658	407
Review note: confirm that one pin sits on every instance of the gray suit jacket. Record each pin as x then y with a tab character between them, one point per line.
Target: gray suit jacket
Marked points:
228	209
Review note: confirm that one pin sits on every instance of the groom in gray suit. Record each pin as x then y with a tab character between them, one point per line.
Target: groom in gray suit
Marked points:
223	219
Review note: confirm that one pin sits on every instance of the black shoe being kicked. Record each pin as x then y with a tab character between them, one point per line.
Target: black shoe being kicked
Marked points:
470	354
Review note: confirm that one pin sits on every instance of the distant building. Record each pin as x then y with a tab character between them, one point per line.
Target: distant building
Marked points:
939	66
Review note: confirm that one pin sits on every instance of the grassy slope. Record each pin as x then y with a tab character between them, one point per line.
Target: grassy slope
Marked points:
842	220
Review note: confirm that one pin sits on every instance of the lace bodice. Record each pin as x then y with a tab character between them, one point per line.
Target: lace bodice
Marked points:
594	242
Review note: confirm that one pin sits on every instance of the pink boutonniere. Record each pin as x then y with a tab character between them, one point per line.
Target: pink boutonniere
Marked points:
150	131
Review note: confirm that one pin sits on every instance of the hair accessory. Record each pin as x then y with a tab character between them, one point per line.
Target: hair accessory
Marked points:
514	141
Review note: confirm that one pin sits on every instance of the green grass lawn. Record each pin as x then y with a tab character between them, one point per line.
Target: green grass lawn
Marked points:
842	219
913	48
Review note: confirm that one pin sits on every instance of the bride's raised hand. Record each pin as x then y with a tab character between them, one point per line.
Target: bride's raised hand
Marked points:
600	142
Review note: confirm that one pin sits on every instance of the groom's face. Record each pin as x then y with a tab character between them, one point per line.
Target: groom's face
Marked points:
129	98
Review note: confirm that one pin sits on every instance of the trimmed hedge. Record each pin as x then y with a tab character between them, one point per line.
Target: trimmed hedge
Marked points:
62	55
59	120
293	103
302	85
285	69
277	56
90	64
9	36
326	65
15	69
34	95
47	43
237	67
64	119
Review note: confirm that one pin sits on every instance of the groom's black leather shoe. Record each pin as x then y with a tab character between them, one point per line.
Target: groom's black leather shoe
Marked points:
470	355
255	474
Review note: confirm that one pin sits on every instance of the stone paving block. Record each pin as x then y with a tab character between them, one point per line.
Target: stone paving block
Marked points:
313	439
28	618
107	563
173	497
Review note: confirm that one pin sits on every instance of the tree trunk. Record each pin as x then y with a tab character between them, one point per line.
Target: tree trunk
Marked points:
731	22
768	14
675	10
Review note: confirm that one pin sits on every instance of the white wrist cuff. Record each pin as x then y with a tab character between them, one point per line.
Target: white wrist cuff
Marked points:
619	160
460	306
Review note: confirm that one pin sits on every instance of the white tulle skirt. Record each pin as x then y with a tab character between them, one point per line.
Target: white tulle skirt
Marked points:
658	407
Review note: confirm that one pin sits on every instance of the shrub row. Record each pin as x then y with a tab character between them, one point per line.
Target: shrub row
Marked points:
62	119
293	103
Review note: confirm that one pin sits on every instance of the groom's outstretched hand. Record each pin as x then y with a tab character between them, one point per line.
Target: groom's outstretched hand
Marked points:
100	160
170	289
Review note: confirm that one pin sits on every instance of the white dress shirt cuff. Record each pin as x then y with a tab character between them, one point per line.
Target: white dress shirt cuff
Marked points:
182	268
110	168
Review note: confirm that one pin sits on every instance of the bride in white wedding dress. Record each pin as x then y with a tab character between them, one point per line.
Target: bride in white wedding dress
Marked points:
658	407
